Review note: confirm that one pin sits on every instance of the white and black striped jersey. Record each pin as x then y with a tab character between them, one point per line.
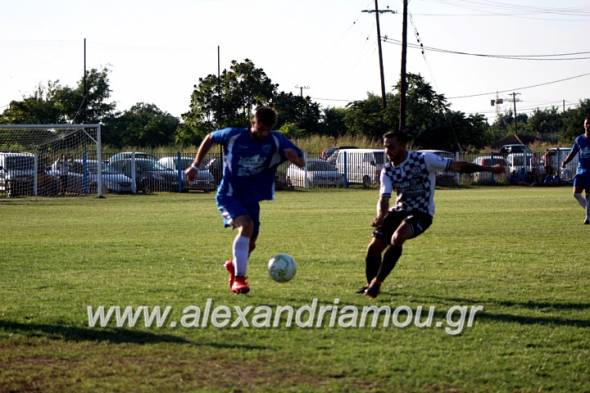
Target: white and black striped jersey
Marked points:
413	180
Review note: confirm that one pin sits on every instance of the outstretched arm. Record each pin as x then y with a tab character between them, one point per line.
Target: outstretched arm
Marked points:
468	167
201	153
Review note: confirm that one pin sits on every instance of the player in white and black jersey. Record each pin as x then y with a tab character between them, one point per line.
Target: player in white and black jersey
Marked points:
412	175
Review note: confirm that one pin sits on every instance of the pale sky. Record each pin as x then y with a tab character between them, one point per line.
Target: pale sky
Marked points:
157	50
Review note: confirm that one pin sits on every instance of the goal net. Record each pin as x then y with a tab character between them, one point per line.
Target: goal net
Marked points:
50	160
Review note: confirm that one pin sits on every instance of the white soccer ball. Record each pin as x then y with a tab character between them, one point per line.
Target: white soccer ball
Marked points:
282	267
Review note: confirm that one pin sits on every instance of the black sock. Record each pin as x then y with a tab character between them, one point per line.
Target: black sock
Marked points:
372	264
390	258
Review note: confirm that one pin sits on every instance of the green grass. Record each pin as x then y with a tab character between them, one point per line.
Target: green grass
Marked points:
521	253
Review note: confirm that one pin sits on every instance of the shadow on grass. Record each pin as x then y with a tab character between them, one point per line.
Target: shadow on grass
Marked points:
115	336
521	319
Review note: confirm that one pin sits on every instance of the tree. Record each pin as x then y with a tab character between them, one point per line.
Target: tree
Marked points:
333	122
62	104
574	119
141	125
548	121
301	111
228	100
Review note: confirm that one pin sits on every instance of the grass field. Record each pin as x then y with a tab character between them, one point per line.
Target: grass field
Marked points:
521	253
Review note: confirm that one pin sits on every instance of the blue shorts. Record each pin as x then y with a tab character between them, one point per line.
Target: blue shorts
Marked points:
582	180
232	208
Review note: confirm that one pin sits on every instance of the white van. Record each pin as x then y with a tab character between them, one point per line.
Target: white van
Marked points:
17	173
360	166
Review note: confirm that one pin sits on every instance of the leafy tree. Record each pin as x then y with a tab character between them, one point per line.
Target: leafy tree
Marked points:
62	104
366	117
301	111
548	121
333	122
142	125
225	101
574	120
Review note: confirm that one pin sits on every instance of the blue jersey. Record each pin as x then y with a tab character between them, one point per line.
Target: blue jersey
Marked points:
249	164
582	145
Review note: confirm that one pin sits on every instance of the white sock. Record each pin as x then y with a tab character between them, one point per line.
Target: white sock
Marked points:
580	200
240	249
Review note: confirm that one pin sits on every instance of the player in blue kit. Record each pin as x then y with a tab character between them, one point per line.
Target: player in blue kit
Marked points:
412	175
582	179
251	158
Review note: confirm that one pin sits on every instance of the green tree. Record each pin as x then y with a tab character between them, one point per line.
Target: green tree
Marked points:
141	125
227	100
301	111
333	122
547	121
574	120
55	103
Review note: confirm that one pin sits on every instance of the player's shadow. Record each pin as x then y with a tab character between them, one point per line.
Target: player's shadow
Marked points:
540	306
114	335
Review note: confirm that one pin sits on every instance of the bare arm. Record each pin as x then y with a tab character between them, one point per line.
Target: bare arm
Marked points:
293	157
203	150
201	153
568	158
382	209
468	167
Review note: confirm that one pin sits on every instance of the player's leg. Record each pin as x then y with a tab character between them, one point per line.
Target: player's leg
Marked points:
236	215
582	183
373	260
381	235
578	188
410	227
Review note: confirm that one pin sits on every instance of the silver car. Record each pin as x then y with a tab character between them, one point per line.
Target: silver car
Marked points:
204	180
317	173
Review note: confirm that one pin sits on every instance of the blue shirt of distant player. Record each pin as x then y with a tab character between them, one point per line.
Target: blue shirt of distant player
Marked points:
582	145
249	164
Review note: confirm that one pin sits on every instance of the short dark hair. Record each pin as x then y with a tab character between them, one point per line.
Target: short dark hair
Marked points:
266	115
587	116
400	135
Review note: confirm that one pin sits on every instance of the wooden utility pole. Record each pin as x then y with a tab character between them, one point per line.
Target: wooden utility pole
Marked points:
403	78
377	12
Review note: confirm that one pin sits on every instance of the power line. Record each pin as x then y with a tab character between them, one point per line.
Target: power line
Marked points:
546	57
519	88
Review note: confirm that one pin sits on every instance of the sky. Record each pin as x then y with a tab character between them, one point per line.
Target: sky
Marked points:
157	50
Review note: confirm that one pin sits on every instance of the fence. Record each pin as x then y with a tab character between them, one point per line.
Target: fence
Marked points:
77	172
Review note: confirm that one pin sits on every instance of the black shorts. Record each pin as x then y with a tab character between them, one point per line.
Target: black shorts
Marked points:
419	221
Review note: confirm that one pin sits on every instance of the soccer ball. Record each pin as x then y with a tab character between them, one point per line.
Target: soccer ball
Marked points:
282	267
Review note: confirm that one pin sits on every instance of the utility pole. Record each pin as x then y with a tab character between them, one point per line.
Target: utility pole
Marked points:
563	106
377	12
403	78
301	89
514	99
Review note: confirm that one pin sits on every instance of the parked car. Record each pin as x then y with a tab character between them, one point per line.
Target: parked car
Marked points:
17	173
129	154
150	175
317	173
204	179
360	166
328	153
444	179
488	177
82	177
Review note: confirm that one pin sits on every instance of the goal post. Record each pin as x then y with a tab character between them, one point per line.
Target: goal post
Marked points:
50	160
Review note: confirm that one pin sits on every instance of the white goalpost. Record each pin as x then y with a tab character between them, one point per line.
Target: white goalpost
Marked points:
50	160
